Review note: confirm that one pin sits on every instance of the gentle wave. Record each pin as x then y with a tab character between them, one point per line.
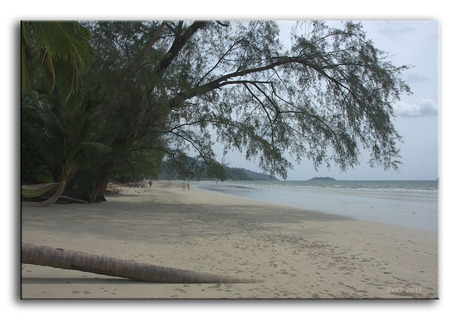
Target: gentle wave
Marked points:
412	204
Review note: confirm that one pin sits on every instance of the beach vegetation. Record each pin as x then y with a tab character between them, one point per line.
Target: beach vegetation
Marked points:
56	127
144	91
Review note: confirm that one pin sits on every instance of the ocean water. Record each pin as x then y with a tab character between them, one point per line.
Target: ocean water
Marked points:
411	204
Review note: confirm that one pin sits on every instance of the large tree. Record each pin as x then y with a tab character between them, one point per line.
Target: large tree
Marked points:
175	86
56	129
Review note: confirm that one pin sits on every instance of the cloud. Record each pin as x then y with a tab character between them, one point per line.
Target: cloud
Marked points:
416	77
396	30
426	107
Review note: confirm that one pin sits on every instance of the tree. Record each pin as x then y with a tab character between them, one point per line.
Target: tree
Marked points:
82	261
59	137
56	128
139	164
176	86
54	52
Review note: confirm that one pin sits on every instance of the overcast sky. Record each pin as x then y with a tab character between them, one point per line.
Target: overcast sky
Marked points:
412	43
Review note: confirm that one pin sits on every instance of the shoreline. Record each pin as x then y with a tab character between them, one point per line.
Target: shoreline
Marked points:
300	254
419	214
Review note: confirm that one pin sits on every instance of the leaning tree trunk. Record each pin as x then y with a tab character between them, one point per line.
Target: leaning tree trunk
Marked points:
37	190
56	195
76	260
101	185
89	184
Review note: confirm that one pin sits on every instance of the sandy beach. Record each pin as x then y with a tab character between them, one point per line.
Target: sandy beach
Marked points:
299	254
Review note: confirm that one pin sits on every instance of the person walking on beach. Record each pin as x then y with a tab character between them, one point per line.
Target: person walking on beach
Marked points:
188	186
150	183
183	185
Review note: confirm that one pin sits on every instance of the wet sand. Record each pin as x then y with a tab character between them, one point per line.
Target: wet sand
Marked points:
299	254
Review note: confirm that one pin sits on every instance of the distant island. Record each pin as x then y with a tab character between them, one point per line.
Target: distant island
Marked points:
322	179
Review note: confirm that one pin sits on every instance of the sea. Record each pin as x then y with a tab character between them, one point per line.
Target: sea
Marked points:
410	204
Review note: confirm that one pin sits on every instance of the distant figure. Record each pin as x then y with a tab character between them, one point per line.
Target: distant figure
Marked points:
188	186
150	183
183	185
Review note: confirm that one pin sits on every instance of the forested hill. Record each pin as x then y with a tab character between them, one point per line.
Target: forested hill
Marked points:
232	174
254	175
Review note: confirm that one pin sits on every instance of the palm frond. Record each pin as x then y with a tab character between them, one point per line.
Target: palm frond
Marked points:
99	147
57	42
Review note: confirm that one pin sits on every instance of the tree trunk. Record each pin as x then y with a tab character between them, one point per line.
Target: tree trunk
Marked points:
101	185
38	190
76	260
56	195
89	184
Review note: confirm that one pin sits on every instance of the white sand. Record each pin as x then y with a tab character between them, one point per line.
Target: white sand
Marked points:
299	254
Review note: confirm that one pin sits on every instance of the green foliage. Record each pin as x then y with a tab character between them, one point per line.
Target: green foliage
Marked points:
138	165
172	171
175	88
57	130
236	174
55	52
57	137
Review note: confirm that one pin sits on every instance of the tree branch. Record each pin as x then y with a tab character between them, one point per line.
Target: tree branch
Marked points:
179	42
189	140
219	61
128	77
222	23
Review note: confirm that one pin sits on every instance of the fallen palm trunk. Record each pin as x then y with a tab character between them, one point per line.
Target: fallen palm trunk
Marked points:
77	260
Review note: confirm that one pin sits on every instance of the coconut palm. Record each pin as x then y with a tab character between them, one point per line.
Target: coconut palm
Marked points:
62	137
76	260
55	53
55	124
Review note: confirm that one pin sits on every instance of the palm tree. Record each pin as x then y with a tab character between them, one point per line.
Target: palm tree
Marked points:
54	55
64	135
54	52
76	260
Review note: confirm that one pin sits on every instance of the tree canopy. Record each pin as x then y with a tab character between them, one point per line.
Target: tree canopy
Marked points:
159	89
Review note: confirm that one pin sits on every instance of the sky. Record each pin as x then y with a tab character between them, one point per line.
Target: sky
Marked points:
407	42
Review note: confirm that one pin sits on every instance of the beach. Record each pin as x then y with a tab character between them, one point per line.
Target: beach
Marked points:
299	254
